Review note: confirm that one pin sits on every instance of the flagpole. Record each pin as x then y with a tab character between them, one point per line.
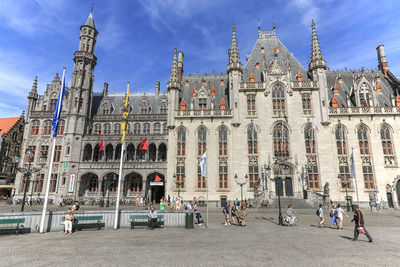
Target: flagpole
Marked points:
119	187
46	198
121	160
207	197
355	177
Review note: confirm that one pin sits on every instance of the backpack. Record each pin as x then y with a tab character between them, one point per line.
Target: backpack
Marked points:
331	214
317	212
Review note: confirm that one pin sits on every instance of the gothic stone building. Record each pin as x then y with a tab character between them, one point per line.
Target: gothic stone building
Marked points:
269	123
81	170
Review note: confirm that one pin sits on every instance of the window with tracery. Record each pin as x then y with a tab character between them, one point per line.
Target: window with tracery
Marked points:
278	100
281	140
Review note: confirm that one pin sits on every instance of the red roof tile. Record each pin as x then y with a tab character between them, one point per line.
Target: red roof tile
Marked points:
6	124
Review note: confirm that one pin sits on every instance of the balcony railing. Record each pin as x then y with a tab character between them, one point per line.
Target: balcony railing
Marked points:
305	85
250	85
203	113
364	110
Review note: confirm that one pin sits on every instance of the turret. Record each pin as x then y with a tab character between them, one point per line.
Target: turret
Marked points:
105	90
317	69
157	88
180	66
382	63
173	88
235	72
32	99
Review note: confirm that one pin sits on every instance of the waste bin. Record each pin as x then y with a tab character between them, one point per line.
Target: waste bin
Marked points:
189	220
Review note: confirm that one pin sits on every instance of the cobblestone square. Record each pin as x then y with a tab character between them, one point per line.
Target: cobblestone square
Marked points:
261	243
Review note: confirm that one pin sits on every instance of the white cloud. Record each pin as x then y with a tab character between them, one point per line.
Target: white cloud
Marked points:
307	8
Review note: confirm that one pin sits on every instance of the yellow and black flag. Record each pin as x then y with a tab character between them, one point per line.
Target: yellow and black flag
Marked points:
124	123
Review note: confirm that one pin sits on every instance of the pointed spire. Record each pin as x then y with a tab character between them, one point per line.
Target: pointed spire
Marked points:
90	21
234	57
173	78
34	86
317	60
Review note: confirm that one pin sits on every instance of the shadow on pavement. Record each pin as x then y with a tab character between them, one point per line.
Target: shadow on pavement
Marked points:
270	219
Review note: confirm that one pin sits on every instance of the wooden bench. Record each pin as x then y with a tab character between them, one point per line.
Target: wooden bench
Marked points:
86	222
12	224
143	220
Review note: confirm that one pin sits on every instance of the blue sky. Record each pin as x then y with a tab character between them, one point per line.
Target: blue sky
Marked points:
136	38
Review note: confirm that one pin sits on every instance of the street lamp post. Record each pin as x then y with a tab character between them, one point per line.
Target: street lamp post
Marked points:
278	181
27	172
241	186
178	185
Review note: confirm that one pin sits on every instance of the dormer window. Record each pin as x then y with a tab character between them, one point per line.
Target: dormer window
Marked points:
52	106
202	103
144	109
364	96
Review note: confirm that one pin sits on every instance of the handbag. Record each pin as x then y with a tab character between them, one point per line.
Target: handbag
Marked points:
361	230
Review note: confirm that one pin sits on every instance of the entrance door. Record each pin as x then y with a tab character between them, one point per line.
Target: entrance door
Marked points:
390	200
157	192
398	192
288	187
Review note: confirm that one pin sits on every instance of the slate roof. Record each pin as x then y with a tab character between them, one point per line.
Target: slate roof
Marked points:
348	78
212	80
117	101
257	56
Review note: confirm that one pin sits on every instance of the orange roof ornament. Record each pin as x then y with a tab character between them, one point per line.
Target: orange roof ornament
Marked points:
193	92
378	88
398	100
183	104
212	91
336	89
299	76
222	104
334	102
251	78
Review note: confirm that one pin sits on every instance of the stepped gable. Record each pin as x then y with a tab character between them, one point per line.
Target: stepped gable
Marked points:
269	43
212	80
117	101
350	77
6	124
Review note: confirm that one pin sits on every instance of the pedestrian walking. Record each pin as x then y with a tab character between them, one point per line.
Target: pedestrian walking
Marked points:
244	209
333	216
169	200
226	214
68	222
162	204
197	213
359	225
339	214
321	216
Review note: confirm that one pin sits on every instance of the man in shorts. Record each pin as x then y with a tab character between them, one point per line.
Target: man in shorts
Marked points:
226	213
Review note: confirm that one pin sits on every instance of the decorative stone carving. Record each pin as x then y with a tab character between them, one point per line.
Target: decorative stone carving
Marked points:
253	160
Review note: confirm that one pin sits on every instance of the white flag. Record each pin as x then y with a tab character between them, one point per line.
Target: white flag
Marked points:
315	126
203	165
352	167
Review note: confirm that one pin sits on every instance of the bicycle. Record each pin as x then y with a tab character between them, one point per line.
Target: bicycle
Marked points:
288	222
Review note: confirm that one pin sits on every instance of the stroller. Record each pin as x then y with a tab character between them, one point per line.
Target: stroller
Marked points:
237	218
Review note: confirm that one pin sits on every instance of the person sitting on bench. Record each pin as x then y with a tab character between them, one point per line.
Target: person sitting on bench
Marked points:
153	216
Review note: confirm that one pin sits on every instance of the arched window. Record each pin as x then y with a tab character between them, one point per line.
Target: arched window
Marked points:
156	128
387	145
278	100
341	144
364	95
117	129
164	127
97	129
222	142
202	103
93	183
281	140
309	136
53	102
109	152
136	128
163	108
105	110
107	129
363	141
252	139
144	109
181	144
146	128
61	127
201	141
306	100
46	127
251	104
35	127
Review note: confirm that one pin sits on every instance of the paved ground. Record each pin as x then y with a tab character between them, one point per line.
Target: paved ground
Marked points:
261	243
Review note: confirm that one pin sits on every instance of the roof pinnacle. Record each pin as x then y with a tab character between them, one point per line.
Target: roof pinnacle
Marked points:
234	58
317	60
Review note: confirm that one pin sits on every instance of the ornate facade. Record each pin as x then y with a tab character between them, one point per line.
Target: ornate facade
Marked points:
269	121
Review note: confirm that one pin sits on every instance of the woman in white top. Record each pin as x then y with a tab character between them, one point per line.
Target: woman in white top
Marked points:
339	215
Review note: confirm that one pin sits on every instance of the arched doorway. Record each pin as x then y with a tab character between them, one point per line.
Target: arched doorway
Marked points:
156	186
133	185
283	180
389	196
89	185
162	152
152	152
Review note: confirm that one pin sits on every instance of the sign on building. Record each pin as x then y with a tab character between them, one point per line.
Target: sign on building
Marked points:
72	183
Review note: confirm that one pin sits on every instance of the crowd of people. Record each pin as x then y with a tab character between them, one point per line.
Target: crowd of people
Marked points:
236	214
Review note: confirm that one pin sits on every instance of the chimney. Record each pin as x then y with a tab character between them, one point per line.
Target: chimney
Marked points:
180	66
105	89
157	88
382	63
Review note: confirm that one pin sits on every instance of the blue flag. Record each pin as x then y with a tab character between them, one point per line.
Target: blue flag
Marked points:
57	112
